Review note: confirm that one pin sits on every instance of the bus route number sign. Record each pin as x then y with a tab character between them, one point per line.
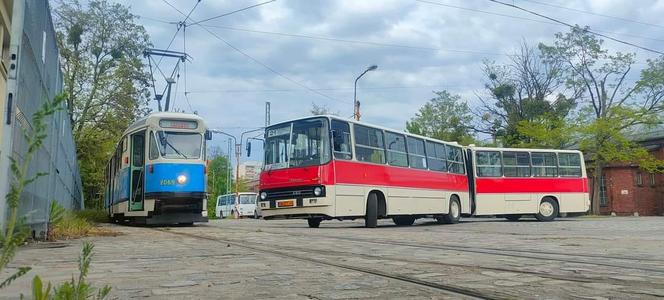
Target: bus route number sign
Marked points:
179	124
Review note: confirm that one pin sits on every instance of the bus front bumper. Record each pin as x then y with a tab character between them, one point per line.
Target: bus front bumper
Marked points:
300	208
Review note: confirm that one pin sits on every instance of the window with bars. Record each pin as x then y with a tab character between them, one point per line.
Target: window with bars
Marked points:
603	197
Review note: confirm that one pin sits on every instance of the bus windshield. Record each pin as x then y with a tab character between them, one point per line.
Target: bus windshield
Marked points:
297	144
247	199
179	145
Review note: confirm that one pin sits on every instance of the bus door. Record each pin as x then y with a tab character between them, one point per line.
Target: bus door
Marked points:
470	166
136	171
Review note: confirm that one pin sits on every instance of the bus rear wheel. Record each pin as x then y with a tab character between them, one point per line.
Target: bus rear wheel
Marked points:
512	218
403	220
548	210
371	217
314	222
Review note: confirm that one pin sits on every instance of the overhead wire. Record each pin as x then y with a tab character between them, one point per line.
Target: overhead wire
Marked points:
594	13
531	20
232	12
332	39
584	29
260	62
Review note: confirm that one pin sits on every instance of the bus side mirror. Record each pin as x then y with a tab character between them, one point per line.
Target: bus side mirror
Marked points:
248	148
208	135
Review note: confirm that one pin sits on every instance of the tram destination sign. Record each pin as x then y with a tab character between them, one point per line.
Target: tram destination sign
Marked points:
179	124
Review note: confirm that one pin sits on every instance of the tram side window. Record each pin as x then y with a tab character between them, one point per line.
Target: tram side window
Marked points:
154	151
455	160
569	164
545	164
416	154
341	140
488	164
516	164
396	149
436	156
369	144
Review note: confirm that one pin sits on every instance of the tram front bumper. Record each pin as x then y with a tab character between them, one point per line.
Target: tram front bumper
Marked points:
177	218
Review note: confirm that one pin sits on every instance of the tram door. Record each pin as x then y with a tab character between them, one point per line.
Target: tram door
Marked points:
136	171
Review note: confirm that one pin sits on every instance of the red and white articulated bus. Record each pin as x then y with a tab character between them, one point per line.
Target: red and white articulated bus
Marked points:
325	167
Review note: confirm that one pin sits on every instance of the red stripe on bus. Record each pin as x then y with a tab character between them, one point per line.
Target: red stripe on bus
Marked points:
531	185
350	172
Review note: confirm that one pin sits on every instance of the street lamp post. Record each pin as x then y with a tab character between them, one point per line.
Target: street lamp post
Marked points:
356	104
238	152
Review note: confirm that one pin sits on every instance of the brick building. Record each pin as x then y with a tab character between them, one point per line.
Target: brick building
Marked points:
628	190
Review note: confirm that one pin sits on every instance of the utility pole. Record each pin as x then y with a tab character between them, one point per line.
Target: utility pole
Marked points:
267	113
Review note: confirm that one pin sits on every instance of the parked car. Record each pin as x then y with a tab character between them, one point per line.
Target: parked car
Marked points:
246	206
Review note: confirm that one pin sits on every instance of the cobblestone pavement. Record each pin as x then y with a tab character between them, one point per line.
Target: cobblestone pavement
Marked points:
575	258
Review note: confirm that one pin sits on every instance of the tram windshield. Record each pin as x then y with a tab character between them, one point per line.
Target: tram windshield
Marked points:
297	144
180	145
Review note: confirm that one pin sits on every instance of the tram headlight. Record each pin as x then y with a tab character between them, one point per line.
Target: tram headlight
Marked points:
263	195
182	179
318	191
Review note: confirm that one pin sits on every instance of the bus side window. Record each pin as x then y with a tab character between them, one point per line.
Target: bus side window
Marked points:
488	164
416	154
369	144
396	149
436	156
341	140
454	160
545	164
516	164
569	164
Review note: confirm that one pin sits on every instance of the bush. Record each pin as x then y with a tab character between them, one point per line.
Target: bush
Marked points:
94	215
67	225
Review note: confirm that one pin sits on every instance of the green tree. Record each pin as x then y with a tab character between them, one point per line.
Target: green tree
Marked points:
318	110
218	168
610	105
519	102
445	117
101	48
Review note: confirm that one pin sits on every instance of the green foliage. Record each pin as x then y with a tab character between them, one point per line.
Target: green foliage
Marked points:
77	288
93	215
318	110
16	232
610	107
445	117
56	213
101	49
218	168
519	101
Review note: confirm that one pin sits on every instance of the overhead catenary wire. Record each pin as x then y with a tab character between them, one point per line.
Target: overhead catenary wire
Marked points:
258	61
573	26
232	12
594	13
532	20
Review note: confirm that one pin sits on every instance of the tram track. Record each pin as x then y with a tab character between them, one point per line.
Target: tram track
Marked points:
448	288
586	259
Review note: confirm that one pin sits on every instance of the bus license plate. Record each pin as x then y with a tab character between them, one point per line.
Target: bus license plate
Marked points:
287	203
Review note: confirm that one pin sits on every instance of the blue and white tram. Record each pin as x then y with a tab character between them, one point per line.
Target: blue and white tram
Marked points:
157	174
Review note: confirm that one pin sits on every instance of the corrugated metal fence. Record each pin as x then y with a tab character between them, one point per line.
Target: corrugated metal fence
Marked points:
39	79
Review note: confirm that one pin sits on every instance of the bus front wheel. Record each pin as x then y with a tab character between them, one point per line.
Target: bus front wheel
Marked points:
371	217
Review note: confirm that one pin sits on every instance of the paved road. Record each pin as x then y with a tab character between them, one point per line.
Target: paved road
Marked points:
577	258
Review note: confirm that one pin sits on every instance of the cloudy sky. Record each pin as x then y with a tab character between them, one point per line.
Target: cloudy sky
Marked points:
297	52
